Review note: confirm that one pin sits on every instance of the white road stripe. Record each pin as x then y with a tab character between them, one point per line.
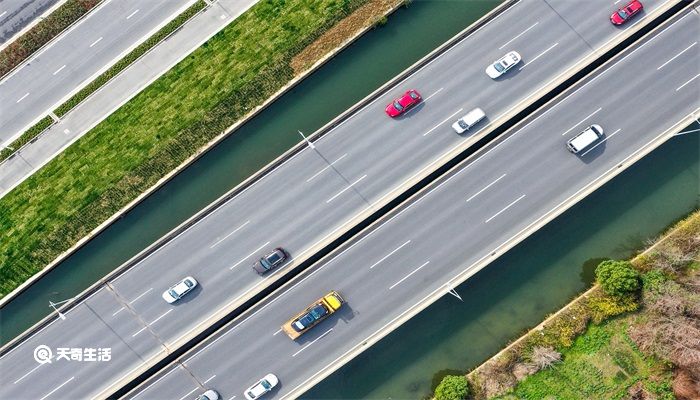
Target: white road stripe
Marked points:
487	186
189	393
96	41
27	374
118	311
539	55
446	119
348	187
227	236
213	376
601	142
59	70
278	331
59	386
390	254
132	14
505	208
3	13
249	255
676	56
407	276
520	34
314	341
152	322
141	295
581	121
689	80
23	97
436	92
326	167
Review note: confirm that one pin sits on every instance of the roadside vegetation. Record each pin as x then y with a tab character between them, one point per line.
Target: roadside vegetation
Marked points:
92	87
634	335
168	122
55	23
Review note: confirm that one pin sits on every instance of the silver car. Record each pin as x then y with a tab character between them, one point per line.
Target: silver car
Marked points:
180	289
261	387
209	395
502	66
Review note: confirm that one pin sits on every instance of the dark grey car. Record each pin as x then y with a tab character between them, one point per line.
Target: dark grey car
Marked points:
270	261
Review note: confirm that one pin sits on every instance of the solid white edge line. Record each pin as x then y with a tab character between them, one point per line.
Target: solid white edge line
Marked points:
59	386
605	139
690	80
505	208
390	254
581	121
445	120
409	275
346	188
538	56
487	186
326	167
249	255
312	342
676	56
520	34
227	236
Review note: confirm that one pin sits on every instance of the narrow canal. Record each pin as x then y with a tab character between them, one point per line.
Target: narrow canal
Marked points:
532	280
372	60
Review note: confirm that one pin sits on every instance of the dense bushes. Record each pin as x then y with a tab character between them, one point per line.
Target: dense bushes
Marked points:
617	278
452	387
25	45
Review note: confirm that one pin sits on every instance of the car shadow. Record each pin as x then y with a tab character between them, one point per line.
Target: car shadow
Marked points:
410	112
474	129
512	73
190	296
641	14
588	156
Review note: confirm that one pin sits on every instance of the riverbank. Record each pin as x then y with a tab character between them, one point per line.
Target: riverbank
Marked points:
164	128
588	367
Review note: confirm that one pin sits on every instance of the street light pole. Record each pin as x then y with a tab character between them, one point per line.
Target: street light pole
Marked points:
307	140
53	305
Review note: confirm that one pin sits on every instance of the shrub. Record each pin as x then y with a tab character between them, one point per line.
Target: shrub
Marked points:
617	278
652	280
452	387
603	306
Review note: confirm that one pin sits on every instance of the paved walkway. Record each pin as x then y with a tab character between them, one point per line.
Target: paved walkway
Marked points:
118	91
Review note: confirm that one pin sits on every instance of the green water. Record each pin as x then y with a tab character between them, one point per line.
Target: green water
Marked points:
372	60
532	280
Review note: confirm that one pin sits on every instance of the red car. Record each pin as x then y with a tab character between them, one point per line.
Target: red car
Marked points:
622	15
403	103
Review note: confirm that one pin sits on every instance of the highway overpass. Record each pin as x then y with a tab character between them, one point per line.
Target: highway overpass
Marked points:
311	197
455	226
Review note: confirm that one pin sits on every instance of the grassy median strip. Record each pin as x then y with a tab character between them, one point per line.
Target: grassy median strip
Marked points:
129	58
55	23
195	101
26	137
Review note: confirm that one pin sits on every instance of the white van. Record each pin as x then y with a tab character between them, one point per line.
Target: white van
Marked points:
585	139
468	120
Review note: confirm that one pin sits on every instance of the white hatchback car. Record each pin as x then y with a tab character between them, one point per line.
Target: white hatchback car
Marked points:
502	66
177	291
209	395
261	387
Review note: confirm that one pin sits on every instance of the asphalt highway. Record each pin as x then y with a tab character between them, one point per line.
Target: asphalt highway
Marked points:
458	222
71	61
297	205
16	14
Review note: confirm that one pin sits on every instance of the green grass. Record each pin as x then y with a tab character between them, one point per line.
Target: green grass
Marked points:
146	138
601	364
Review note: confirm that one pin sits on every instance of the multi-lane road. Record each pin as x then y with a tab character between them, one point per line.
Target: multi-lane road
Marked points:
454	226
363	161
15	15
67	64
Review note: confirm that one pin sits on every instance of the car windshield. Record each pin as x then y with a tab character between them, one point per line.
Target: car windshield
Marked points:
413	95
173	294
498	67
398	106
318	311
462	124
622	14
265	384
265	263
188	283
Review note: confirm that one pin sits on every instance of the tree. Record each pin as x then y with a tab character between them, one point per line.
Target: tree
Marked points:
618	278
452	387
